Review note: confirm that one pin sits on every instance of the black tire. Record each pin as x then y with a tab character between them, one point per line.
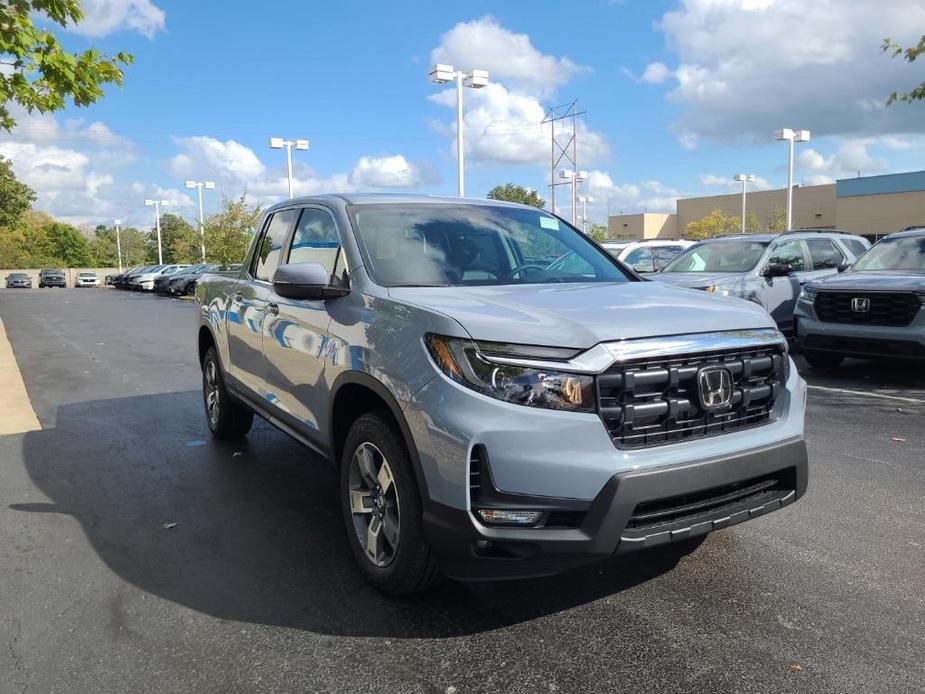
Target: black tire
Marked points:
227	417
411	568
823	361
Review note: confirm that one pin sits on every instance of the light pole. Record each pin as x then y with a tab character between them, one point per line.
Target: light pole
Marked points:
279	143
157	225
208	185
584	200
745	179
576	177
441	74
791	136
118	243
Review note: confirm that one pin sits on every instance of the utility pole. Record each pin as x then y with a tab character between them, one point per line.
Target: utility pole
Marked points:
157	225
279	143
119	244
209	185
559	150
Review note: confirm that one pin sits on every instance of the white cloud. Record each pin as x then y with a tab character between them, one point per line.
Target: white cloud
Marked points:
103	17
850	158
746	67
507	56
713	181
656	73
386	172
230	159
503	121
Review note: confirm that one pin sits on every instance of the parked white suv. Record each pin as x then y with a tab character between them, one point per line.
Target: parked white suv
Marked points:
87	279
646	256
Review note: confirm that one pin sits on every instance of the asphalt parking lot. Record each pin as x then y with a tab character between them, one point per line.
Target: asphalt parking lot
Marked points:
138	554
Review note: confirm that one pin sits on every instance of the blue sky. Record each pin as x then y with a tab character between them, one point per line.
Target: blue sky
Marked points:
679	97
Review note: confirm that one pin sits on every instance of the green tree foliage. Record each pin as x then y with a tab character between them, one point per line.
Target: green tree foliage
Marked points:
514	193
38	73
64	245
15	197
908	54
179	241
777	219
751	223
717	223
598	232
229	232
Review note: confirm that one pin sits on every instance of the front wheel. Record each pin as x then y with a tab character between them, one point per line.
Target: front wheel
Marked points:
823	361
228	418
382	508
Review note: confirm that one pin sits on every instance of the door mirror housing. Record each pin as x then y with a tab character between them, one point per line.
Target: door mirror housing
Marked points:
777	270
307	281
843	266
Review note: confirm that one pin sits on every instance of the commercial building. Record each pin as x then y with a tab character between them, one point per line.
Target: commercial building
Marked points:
869	205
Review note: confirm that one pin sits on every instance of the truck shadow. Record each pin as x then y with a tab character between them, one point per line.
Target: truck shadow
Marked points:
258	535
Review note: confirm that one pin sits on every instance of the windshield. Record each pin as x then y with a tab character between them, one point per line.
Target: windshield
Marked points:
465	245
719	256
903	253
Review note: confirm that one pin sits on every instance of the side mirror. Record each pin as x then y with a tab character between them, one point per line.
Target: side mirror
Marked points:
777	270
308	281
843	266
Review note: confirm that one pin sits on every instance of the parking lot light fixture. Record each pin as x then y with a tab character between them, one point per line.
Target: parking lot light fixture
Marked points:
279	143
199	185
745	179
118	223
790	136
157	225
441	74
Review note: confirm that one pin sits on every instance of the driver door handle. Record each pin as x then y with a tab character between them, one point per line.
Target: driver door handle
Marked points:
237	296
273	308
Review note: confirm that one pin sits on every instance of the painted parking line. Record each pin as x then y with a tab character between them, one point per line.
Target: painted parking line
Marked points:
867	394
16	413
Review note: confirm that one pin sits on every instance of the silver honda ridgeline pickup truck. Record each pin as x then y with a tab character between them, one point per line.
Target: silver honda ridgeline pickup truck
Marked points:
492	412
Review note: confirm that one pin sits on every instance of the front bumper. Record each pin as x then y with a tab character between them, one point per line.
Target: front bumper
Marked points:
857	339
636	509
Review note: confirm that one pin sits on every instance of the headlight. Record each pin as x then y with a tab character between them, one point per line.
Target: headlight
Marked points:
808	293
462	361
721	290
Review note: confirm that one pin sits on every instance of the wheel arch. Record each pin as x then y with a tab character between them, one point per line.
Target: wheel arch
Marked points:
357	393
206	340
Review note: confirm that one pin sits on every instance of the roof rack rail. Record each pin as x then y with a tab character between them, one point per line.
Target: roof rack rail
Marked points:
817	231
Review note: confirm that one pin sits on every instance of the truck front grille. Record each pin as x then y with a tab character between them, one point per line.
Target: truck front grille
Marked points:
884	308
654	401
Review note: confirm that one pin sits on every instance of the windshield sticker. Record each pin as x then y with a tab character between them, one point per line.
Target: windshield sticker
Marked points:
549	223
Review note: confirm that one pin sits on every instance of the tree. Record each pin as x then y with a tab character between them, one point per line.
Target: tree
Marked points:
65	245
777	219
717	223
15	197
38	74
598	232
229	232
514	193
179	241
909	54
751	223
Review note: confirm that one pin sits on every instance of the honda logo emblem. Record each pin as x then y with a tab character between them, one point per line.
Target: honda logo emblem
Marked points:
860	304
715	385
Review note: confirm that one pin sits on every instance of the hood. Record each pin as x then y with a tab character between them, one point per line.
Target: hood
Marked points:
698	280
581	315
873	281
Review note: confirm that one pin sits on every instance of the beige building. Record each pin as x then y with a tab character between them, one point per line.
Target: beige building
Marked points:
870	206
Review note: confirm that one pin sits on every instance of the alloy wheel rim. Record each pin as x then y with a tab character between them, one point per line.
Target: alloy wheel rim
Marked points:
212	392
374	504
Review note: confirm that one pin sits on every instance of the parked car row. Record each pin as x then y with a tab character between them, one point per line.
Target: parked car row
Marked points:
176	280
49	277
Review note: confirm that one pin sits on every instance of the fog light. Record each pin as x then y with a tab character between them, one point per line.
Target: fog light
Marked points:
495	517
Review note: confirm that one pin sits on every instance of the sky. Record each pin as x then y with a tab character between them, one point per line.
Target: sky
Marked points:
679	97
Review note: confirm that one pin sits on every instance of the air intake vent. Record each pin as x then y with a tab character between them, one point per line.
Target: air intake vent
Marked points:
476	470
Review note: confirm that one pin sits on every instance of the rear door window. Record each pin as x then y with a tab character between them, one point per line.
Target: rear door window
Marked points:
789	253
824	254
855	246
641	260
